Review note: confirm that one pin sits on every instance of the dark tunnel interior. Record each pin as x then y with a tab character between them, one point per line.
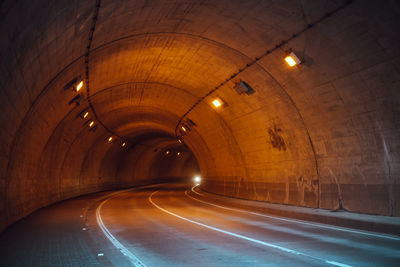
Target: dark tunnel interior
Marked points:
106	96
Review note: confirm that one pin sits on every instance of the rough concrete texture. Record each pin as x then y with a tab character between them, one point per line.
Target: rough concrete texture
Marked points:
322	134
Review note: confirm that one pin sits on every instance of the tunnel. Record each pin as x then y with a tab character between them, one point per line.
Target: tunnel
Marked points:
294	103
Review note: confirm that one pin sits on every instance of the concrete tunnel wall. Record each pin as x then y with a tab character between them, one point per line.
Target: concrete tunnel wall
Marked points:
322	134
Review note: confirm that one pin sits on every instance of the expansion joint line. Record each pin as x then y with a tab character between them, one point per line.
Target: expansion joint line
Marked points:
257	59
87	57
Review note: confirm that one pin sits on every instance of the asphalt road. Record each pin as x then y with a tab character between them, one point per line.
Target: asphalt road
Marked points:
171	225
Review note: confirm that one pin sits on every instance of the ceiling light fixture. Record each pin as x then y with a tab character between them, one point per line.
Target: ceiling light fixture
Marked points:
243	87
110	139
123	144
292	59
83	114
217	102
77	99
190	122
91	124
79	86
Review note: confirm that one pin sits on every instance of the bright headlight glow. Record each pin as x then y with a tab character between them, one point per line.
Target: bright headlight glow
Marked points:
197	179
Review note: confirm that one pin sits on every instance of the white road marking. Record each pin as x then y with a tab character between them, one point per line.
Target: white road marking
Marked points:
294	220
287	250
338	264
114	241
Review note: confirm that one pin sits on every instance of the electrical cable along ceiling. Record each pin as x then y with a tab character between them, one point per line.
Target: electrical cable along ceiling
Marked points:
96	92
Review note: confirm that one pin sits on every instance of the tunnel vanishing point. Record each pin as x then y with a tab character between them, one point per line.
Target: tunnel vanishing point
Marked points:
101	95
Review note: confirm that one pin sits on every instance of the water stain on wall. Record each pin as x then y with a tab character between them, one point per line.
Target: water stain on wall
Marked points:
276	139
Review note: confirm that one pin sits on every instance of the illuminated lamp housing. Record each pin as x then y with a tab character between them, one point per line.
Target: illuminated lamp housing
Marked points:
185	128
217	102
83	114
78	86
292	59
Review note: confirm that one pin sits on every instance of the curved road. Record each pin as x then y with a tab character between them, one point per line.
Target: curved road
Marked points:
175	226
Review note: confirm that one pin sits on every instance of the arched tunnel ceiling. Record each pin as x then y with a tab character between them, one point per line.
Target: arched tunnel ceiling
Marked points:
322	134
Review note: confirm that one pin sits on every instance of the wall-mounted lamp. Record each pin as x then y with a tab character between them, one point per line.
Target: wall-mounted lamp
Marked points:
76	84
77	99
243	87
190	122
84	114
185	128
292	59
217	102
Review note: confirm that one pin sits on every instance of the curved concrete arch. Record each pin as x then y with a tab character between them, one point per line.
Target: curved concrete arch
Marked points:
321	134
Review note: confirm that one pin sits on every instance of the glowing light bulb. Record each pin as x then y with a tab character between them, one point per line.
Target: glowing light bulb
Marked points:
91	124
123	144
86	114
110	139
